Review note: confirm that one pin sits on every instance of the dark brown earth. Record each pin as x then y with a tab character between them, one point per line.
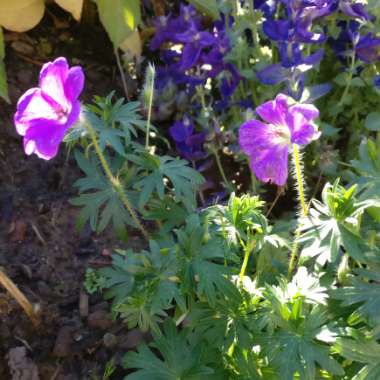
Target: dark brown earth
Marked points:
40	249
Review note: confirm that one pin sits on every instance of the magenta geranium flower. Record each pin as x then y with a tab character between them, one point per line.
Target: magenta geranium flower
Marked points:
44	114
267	144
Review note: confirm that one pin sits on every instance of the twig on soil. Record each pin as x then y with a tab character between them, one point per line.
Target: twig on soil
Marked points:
9	285
38	234
30	60
56	372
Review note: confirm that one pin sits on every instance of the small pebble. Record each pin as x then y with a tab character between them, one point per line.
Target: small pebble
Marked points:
109	340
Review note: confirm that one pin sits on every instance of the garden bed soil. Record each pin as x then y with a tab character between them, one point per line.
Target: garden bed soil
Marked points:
40	249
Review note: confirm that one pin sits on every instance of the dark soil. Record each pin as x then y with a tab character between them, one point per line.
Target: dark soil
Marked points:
40	249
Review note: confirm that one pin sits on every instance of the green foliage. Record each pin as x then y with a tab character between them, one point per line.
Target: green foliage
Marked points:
368	166
366	351
207	321
372	121
100	203
203	262
335	224
158	173
93	281
364	292
241	220
115	121
162	188
230	329
182	358
294	317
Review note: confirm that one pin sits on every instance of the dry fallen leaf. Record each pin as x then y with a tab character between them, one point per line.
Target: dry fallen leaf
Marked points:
72	6
21	15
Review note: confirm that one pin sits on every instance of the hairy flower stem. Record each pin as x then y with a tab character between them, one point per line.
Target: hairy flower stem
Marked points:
8	284
150	103
304	208
115	182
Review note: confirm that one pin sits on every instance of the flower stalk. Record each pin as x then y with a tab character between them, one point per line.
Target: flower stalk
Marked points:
115	182
248	248
150	77
304	208
11	287
220	168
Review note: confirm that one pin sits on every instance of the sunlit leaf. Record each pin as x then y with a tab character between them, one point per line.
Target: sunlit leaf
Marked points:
132	44
119	17
209	7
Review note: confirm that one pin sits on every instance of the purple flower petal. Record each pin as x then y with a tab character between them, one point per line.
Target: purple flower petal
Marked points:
299	121
181	130
271	165
308	111
190	55
44	139
33	109
52	80
273	74
277	30
74	83
274	111
315	58
268	160
304	135
356	10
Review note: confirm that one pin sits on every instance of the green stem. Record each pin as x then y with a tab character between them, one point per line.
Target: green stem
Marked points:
115	181
248	248
151	94
349	79
253	182
304	208
122	74
255	34
220	168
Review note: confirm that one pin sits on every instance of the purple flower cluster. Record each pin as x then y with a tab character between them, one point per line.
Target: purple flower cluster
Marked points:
44	114
299	28
202	52
366	47
191	54
188	142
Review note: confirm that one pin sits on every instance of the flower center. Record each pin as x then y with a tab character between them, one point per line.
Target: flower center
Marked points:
282	135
